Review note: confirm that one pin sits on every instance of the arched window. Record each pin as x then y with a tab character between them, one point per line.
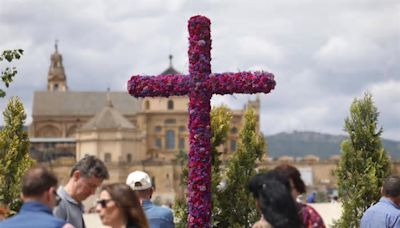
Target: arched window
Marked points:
129	158
158	143
147	105
170	140
49	131
182	128
170	105
107	157
71	131
181	143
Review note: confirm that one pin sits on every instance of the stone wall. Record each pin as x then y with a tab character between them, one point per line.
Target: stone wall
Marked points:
167	174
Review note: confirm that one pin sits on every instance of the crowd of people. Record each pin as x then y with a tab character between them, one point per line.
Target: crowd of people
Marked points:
119	205
129	204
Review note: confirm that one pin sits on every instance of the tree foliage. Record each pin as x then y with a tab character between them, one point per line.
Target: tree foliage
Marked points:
7	75
181	209
14	154
220	119
233	206
236	204
363	164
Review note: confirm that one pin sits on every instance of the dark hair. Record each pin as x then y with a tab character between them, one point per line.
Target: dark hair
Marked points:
38	180
126	199
391	186
293	174
272	191
259	179
91	166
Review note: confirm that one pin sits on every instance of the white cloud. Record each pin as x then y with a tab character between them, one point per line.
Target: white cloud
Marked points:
323	53
254	47
347	51
387	99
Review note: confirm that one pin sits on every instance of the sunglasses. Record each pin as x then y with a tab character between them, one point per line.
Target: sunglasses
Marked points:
103	203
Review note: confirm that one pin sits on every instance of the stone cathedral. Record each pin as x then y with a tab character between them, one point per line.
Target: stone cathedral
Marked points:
125	132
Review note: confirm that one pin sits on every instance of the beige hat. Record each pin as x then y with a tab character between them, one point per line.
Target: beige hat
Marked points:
139	180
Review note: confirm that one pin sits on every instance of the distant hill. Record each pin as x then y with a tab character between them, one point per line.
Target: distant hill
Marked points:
302	143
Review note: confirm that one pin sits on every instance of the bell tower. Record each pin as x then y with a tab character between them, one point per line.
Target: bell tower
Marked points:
56	80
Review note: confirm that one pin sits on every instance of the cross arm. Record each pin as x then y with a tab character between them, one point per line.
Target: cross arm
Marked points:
241	82
159	86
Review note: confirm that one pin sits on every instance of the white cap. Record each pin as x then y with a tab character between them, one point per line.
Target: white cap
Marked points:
139	180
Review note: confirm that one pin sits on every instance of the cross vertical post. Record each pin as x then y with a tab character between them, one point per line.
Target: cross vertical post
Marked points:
199	122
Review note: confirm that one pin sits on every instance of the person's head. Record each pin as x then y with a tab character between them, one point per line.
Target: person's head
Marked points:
391	188
85	177
140	182
298	186
39	184
272	193
118	205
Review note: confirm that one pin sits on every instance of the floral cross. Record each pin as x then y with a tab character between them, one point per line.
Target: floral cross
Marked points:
200	85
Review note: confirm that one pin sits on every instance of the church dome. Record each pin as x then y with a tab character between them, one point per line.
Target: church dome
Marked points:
108	118
170	69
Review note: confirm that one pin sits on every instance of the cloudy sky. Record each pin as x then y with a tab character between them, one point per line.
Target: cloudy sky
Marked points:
323	53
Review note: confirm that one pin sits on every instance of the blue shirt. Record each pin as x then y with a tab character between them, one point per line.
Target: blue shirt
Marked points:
33	214
311	198
158	217
383	214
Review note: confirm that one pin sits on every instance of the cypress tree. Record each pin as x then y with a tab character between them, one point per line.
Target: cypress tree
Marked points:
363	164
14	154
238	208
